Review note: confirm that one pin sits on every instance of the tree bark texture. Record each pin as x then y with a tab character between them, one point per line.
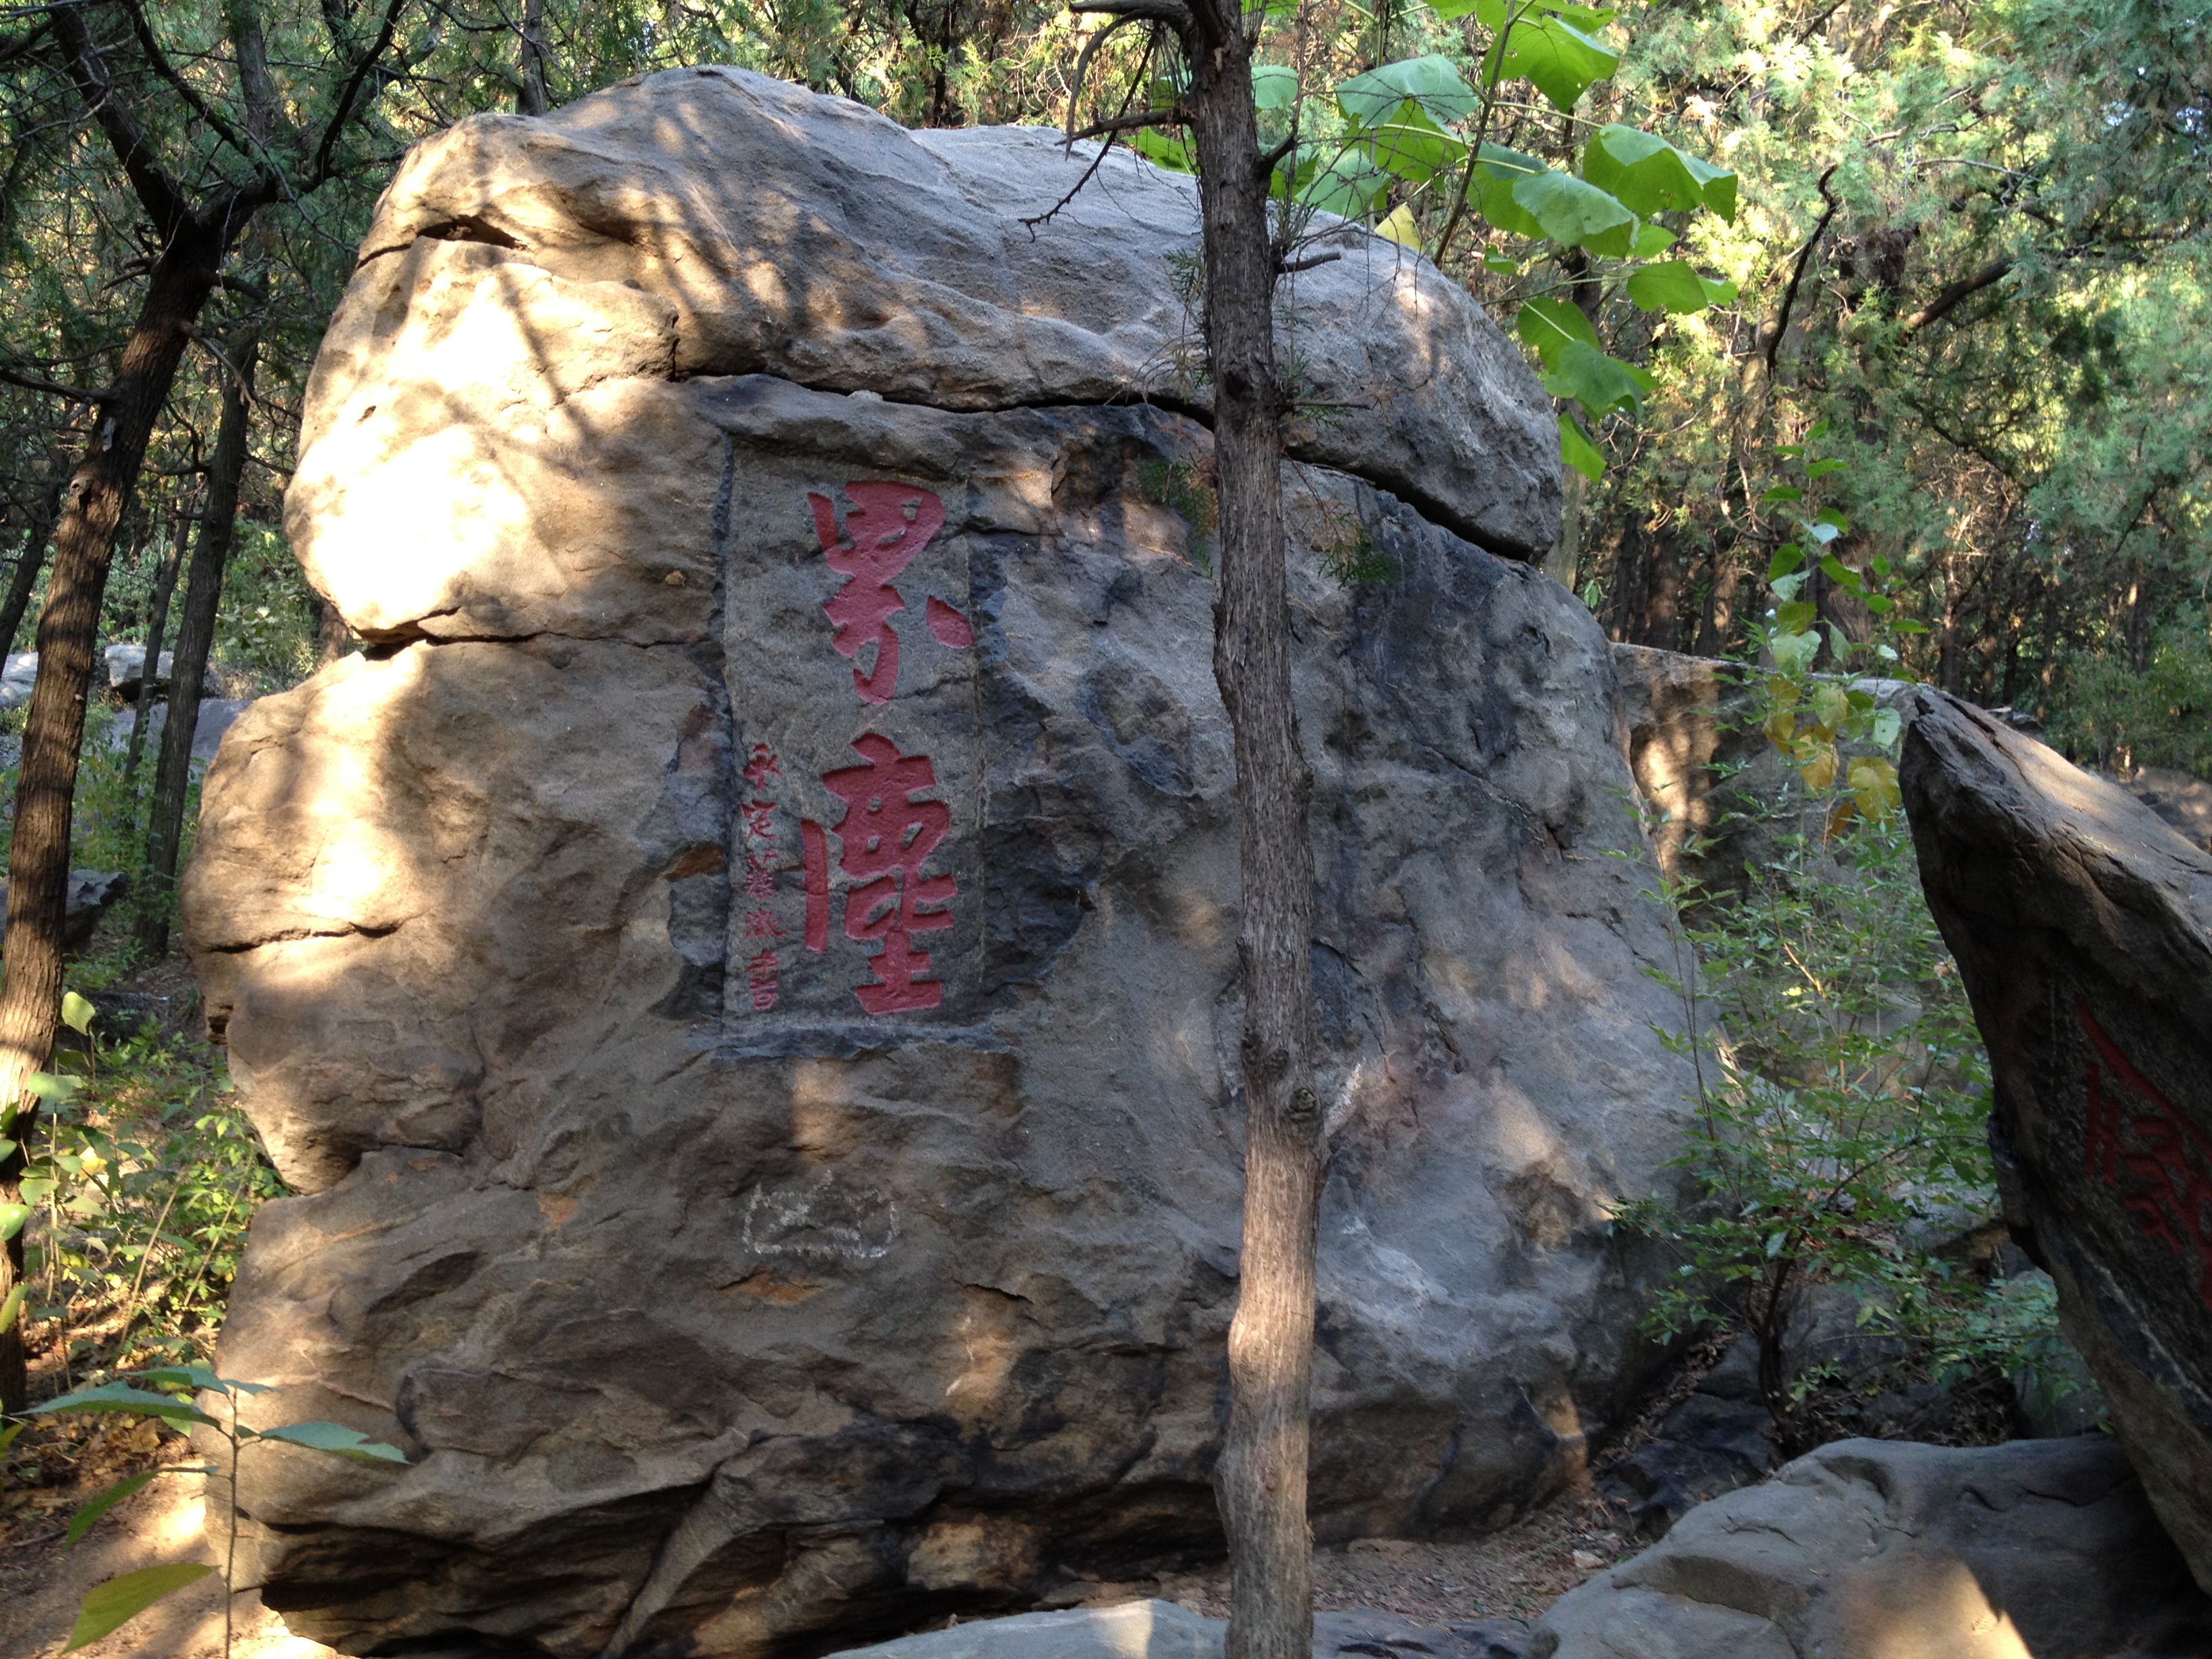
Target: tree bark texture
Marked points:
84	543
25	579
530	97
1260	1481
172	774
149	672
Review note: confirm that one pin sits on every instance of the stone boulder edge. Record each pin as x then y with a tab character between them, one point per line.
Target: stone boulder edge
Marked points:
1879	1549
714	222
764	1327
2082	928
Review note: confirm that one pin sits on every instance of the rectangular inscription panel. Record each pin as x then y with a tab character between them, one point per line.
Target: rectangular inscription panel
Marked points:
856	904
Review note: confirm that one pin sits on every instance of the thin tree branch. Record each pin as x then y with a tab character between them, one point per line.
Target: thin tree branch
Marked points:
1173	13
1148	117
1951	298
343	113
161	66
164	202
55	388
1797	272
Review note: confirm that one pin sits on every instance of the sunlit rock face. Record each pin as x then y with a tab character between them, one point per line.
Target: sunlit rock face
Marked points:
2082	925
744	974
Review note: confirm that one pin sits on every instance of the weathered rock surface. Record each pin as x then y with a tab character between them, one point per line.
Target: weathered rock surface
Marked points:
1877	1549
2082	926
1161	1630
781	1189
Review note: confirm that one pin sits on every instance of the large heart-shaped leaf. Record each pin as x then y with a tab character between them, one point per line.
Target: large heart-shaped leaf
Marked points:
1417	88
1415	152
1599	383
1673	287
1577	450
1275	86
1575	212
1490	190
1547	325
1560	60
1651	176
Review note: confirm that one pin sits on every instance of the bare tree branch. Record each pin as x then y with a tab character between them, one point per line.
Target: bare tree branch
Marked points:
1797	271
159	60
1952	297
54	388
343	113
163	202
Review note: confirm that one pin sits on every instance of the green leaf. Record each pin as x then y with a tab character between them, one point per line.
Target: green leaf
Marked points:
1819	430
121	1397
1784	493
1822	533
48	1087
1164	149
1821	469
1795	617
1275	86
1575	212
1349	185
1498	265
1828	515
122	1599
12	1306
76	1013
1546	325
1787	558
8	1431
88	1516
1577	450
1718	292
1490	189
1415	152
12	1218
1651	241
1559	59
1673	287
1839	572
198	1376
1599	383
1652	176
1887	723
1412	89
36	1187
334	1437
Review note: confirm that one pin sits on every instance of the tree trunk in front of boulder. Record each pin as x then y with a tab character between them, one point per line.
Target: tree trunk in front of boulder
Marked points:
39	854
172	774
1260	1481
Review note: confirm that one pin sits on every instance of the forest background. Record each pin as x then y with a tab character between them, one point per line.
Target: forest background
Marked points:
1971	236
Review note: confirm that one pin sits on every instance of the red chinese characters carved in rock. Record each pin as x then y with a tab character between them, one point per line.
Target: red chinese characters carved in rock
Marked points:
2158	1161
758	817
886	835
890	523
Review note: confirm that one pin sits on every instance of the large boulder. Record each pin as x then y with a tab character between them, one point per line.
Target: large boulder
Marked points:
2082	926
743	974
1878	1549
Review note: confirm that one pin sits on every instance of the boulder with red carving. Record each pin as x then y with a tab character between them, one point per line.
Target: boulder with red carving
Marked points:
2082	924
742	974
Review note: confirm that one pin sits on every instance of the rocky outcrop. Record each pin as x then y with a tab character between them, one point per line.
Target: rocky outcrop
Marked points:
2082	926
1161	1630
1877	1549
743	977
